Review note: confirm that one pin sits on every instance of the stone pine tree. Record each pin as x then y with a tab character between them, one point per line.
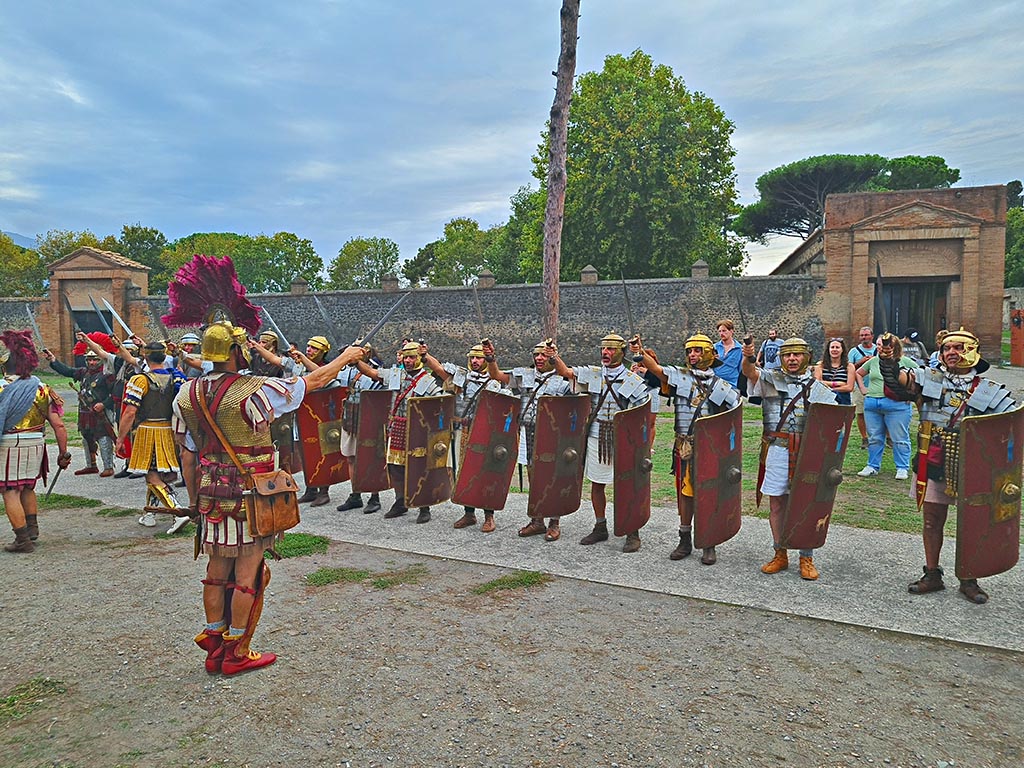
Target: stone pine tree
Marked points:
558	132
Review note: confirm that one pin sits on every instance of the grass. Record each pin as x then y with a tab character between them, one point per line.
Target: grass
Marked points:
62	501
301	544
517	580
28	696
116	512
385	580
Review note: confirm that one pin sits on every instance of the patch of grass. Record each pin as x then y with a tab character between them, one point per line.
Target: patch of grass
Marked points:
187	532
324	576
28	696
301	544
409	575
116	512
517	580
62	501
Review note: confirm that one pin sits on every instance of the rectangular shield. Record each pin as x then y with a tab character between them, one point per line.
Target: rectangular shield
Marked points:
492	446
369	465
816	476
988	504
632	487
428	441
560	446
716	471
319	420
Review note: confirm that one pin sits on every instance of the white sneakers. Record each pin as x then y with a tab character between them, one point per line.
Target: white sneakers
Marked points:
148	520
178	524
867	472
901	474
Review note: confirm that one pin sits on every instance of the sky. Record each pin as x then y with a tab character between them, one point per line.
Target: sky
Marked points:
336	119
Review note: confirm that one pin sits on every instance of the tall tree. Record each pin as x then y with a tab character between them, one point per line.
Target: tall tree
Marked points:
1014	268
1013	194
58	243
362	262
516	250
915	172
22	270
417	269
142	244
459	255
651	180
557	182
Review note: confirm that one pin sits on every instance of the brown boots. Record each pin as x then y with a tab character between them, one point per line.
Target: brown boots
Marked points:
599	534
930	582
32	521
778	563
22	542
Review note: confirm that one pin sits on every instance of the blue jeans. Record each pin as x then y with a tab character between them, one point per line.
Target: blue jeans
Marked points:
881	416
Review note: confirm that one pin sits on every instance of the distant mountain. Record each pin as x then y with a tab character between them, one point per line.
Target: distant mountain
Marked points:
24	242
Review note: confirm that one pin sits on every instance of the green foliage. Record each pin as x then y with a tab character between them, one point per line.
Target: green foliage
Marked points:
142	244
28	696
1014	268
650	175
1014	199
416	269
264	263
58	243
792	197
515	253
301	544
362	262
517	580
22	271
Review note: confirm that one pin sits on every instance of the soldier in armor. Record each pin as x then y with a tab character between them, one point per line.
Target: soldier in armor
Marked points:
410	379
467	384
786	394
697	392
268	360
26	406
186	360
148	398
315	356
357	383
612	388
531	384
947	394
95	409
243	408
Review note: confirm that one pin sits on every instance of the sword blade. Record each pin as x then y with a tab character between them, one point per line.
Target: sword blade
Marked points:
880	306
629	307
384	319
280	334
332	329
53	482
71	312
35	326
479	313
103	320
117	317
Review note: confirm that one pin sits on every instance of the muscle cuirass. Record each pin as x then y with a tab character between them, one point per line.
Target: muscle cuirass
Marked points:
228	413
159	398
786	387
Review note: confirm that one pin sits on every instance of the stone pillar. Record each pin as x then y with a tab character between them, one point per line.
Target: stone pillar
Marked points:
699	270
299	286
588	276
389	284
485	279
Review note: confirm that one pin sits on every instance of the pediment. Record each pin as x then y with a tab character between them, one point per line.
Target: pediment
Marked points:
918	214
93	258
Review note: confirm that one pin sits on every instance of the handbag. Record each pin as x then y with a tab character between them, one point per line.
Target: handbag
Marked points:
270	499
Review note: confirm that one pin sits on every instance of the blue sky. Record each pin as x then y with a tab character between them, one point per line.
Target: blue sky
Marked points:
373	118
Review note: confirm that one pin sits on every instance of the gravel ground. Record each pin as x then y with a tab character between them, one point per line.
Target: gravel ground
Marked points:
426	672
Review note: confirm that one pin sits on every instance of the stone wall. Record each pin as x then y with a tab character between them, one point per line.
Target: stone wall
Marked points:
665	312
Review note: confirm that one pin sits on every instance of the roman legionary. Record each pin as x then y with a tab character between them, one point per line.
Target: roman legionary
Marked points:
530	384
267	360
613	388
26	405
468	383
186	359
786	395
697	392
409	380
315	356
148	398
243	408
96	414
357	383
947	395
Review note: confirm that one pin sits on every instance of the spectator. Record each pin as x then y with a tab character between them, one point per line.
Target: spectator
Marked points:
914	348
885	414
859	356
836	371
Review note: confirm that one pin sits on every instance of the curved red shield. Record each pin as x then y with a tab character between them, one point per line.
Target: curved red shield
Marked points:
319	419
988	503
632	487
716	473
560	446
428	436
369	465
817	475
491	451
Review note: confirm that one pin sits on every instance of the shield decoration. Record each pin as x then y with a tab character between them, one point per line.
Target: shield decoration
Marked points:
716	471
369	465
428	440
319	419
632	487
988	504
492	447
817	475
560	446
282	432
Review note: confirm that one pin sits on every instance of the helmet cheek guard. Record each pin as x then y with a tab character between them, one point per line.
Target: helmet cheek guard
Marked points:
616	343
798	345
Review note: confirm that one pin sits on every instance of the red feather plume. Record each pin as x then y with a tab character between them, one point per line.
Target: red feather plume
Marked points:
24	359
100	338
207	289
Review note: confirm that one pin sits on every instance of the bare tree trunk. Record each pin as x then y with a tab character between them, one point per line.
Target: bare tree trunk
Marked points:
558	131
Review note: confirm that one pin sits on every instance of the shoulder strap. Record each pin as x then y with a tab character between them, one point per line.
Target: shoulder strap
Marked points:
201	396
804	392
